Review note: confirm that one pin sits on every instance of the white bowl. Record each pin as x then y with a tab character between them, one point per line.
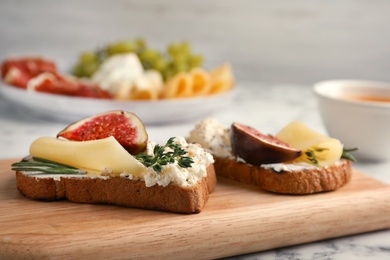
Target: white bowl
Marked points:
355	122
69	109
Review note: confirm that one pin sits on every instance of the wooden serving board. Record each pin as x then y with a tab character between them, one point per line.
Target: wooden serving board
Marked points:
238	219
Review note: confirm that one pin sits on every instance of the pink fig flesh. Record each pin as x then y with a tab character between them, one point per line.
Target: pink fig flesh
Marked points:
124	126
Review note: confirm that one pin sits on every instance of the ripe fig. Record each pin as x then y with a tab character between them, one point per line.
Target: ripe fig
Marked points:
257	148
124	126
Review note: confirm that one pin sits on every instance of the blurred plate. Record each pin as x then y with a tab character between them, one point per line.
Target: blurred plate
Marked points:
69	109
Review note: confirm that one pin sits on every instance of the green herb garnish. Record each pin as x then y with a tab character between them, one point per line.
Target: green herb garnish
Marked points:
35	164
312	154
347	154
162	157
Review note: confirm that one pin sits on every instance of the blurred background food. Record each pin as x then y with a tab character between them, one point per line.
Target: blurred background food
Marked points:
124	70
266	41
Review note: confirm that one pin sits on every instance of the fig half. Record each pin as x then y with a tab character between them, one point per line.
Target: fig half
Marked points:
257	148
125	127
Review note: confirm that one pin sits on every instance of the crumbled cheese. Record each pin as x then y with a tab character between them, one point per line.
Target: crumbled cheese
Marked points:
173	174
106	171
213	137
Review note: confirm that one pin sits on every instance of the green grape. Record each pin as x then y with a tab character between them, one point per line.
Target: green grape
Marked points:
149	55
149	58
160	64
140	44
177	58
185	48
85	69
181	57
168	73
181	67
173	49
91	68
87	57
120	47
195	61
78	71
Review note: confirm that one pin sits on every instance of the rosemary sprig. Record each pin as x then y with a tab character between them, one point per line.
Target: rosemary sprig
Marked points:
347	154
161	157
36	164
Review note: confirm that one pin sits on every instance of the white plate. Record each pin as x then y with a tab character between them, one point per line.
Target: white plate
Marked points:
69	109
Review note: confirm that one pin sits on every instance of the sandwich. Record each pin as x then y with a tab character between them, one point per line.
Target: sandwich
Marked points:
108	159
297	160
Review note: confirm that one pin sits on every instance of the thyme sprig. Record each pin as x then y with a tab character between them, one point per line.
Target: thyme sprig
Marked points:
312	154
313	157
36	164
163	156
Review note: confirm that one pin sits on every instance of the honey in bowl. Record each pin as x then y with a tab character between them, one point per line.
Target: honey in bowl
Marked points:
368	98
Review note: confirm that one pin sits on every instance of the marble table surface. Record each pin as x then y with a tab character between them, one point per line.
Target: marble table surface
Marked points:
265	107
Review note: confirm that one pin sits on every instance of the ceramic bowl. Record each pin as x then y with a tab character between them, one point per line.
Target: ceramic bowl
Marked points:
69	109
358	114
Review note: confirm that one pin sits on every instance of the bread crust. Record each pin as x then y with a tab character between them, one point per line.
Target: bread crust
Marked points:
305	181
119	191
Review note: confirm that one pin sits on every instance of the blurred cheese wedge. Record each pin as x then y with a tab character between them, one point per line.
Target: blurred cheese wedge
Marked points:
222	79
300	136
179	86
201	82
147	86
315	146
93	156
118	71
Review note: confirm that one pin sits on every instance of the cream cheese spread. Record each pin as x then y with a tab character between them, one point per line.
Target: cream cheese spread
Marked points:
174	174
213	137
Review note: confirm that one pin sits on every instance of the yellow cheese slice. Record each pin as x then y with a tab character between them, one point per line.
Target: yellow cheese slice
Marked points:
179	86
300	136
326	150
222	79
200	82
92	156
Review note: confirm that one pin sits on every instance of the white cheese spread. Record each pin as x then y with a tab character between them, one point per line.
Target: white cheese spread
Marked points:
173	174
213	137
289	167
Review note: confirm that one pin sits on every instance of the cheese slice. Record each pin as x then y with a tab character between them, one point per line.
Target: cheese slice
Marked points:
93	156
327	150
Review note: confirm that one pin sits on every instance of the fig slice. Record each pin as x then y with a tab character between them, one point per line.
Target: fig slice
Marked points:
126	127
257	148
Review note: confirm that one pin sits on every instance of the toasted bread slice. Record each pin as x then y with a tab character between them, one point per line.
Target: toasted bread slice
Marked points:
284	179
118	191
